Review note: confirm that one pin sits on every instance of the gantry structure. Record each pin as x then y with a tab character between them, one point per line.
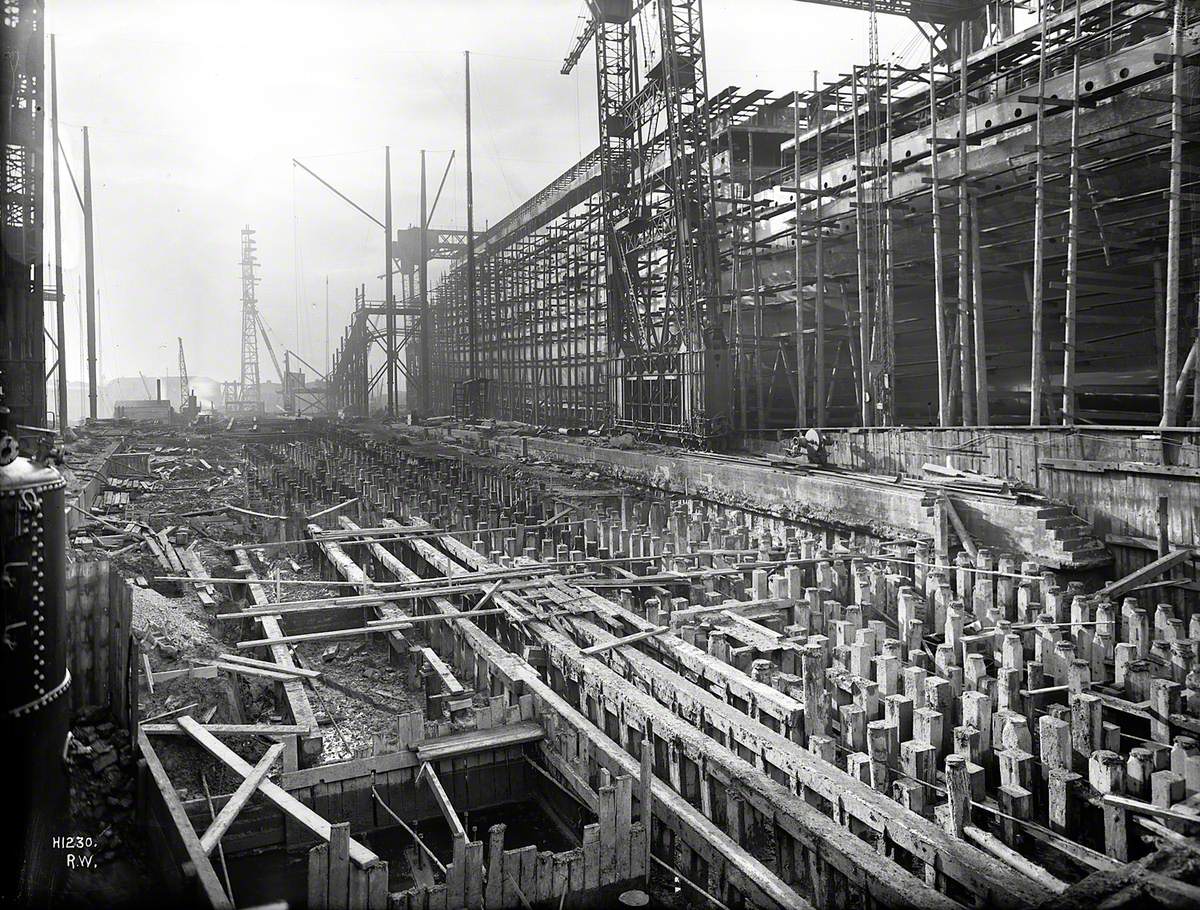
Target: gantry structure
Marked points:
22	318
1003	235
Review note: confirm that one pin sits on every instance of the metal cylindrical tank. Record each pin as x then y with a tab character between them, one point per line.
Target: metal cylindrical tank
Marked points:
34	667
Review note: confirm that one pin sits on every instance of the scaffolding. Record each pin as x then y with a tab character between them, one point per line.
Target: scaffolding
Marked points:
972	241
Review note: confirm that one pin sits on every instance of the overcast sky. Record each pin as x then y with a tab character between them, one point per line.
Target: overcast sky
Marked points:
196	110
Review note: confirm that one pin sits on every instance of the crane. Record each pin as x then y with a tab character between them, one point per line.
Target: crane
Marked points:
183	379
262	327
146	386
657	203
658	221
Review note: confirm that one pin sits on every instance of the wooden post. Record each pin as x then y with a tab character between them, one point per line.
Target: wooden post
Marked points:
958	795
646	796
1163	516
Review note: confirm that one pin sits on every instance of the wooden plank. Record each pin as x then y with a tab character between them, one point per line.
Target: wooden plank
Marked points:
280	797
268	665
339	866
626	640
474	741
439	794
204	672
229	729
318	877
241	796
377	886
449	683
205	873
102	618
473	871
257	672
359	767
389	626
1010	857
1147	572
960	529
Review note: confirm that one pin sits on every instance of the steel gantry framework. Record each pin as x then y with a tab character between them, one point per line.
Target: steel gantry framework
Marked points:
22	318
249	395
1003	235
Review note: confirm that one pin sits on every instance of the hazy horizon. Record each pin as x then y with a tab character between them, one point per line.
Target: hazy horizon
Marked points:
196	111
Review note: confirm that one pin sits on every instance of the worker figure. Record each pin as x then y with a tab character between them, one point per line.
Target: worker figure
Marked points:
811	445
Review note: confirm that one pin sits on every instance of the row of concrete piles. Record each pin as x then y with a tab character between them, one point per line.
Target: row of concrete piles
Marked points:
844	636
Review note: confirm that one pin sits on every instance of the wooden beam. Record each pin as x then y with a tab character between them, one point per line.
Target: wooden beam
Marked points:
390	626
267	665
959	528
449	683
230	729
301	813
1136	805
428	774
191	843
337	508
1147	572
1013	859
220	824
627	640
246	670
473	741
320	604
253	514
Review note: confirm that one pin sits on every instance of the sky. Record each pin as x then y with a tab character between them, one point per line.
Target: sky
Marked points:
196	110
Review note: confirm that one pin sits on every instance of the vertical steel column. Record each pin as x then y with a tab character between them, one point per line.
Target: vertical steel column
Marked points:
59	296
965	362
801	371
938	293
1171	322
389	307
1039	239
982	408
740	373
1070	330
819	268
756	276
472	342
89	255
426	338
888	373
864	331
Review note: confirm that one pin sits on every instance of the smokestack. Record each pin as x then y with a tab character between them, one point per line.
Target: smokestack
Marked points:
158	388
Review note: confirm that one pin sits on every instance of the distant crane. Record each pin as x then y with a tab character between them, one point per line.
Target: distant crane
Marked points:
146	385
250	396
183	379
262	327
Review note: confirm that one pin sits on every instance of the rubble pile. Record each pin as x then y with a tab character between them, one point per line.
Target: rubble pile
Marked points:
103	774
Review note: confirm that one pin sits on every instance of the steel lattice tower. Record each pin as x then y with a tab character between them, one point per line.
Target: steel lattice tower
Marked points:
249	393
